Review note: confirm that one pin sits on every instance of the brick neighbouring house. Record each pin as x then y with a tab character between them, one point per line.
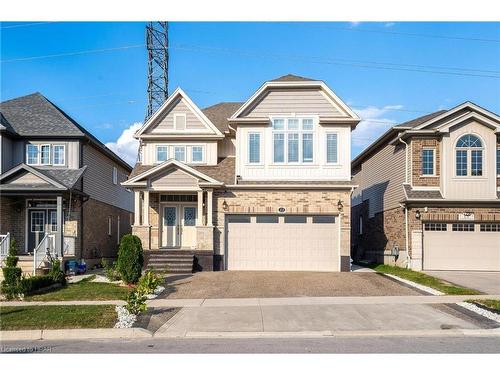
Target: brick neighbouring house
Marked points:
261	185
58	180
429	189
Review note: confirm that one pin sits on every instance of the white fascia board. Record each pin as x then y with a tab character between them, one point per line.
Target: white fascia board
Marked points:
193	107
470	115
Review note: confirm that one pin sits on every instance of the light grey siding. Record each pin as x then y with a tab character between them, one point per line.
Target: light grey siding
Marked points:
166	123
381	179
6	154
174	177
98	179
287	101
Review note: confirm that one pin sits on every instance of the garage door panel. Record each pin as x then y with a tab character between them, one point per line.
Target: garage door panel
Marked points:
283	246
453	250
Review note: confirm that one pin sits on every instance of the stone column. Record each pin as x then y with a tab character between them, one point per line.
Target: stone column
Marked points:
199	216
209	207
145	217
137	208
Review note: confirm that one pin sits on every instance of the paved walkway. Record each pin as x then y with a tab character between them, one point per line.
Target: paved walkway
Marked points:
486	282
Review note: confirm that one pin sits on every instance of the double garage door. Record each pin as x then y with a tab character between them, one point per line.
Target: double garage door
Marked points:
462	246
282	242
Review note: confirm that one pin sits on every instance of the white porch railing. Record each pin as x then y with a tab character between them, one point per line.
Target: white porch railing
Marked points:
4	246
46	249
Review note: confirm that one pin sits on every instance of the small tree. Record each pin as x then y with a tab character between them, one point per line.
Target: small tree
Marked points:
12	258
130	258
11	273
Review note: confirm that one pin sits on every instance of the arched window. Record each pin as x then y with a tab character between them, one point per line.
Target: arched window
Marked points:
469	156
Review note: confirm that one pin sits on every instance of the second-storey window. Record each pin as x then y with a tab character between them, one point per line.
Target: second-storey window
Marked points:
197	154
58	155
292	139
498	162
254	147
45	154
161	153
469	156
307	147
293	147
115	176
279	147
428	162
331	148
180	153
32	154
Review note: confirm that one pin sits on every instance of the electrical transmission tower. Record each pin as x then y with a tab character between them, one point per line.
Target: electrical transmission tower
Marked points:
157	45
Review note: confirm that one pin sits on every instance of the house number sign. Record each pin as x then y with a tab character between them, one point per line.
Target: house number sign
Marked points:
282	210
466	216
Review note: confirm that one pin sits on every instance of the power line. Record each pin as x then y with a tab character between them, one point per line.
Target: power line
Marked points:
27	25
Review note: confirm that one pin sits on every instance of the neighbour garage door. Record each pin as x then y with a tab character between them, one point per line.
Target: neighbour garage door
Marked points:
462	246
282	243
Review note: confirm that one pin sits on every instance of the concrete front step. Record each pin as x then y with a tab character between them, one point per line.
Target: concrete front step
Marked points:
176	261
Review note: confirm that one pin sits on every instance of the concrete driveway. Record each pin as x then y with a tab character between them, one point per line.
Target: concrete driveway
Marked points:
486	282
266	284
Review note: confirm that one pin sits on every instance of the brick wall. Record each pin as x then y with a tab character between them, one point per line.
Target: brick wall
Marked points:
97	243
13	219
417	145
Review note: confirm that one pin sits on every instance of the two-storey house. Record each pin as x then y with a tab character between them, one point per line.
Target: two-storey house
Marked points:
59	186
428	194
260	185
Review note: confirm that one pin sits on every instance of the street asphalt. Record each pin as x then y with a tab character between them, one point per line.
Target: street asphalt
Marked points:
405	344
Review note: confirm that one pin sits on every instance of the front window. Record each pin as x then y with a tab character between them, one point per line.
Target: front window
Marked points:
197	154
45	154
428	162
292	140
331	148
59	153
115	176
32	154
161	153
469	156
498	162
180	153
254	148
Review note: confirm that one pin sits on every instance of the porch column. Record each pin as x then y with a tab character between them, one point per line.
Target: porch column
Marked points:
59	233
145	216
209	207
137	207
199	216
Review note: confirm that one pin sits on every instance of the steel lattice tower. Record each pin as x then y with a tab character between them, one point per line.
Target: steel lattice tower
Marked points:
157	46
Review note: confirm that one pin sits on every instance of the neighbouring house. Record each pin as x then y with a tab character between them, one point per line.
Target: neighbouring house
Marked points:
60	188
260	185
429	193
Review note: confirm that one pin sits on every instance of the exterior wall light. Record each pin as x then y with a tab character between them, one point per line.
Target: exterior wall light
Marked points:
417	215
225	205
340	205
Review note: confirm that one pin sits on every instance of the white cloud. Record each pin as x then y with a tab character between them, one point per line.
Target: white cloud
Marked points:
126	145
354	24
389	24
374	123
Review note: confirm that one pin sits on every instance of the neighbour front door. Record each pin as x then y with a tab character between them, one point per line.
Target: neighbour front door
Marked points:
171	227
188	228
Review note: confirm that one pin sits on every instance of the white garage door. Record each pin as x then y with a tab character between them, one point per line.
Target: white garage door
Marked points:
282	243
462	246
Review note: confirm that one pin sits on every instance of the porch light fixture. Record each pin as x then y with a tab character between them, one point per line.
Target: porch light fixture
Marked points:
417	215
225	205
340	205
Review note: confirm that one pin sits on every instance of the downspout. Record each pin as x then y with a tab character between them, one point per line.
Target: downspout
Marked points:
404	205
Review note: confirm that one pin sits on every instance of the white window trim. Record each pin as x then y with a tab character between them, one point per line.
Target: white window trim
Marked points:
64	154
38	153
469	150
203	157
176	115
185	154
40	147
326	148
434	174
300	131
260	162
156	153
115	176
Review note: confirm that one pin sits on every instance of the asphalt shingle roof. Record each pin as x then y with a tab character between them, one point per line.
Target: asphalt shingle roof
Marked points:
291	78
419	120
219	113
66	177
421	194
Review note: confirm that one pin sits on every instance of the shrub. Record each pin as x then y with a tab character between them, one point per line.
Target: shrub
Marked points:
136	302
130	258
56	274
110	270
29	285
10	284
148	282
12	259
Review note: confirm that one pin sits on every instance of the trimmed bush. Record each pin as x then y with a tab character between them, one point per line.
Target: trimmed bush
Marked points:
10	284
56	274
29	285
12	259
130	258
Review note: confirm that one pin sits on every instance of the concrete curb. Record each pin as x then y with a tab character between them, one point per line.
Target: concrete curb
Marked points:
61	303
76	334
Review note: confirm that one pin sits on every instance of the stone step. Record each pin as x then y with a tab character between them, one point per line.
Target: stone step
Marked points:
173	260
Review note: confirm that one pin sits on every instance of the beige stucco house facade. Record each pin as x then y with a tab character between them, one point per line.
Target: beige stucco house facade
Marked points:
260	185
428	193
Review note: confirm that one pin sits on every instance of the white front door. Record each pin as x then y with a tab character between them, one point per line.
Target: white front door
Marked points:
188	228
170	227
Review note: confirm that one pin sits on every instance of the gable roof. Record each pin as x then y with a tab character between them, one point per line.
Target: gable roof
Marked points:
291	78
35	116
193	107
219	113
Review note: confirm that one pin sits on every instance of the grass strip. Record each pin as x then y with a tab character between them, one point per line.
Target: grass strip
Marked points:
490	304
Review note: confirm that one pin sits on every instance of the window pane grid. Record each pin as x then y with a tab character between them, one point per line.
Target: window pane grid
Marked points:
435	227
180	153
161	153
293	147
307	147
477	163
197	154
461	163
32	154
279	147
463	227
331	148
58	155
254	148
45	154
490	227
428	162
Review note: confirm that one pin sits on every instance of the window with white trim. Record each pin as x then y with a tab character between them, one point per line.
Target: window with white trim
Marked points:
180	121
498	161
254	148
197	154
332	148
180	153
469	156
115	176
45	154
428	161
32	154
293	141
58	154
161	153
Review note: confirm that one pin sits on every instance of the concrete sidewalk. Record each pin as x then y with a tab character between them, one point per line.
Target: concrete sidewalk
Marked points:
486	282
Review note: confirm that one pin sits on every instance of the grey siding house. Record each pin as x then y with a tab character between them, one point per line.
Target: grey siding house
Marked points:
60	187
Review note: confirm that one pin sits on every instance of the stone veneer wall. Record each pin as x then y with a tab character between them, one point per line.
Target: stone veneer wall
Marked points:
417	144
268	201
97	244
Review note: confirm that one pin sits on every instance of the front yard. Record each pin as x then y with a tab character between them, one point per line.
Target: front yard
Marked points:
56	317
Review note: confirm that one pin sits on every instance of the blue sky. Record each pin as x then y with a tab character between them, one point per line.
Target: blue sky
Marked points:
385	71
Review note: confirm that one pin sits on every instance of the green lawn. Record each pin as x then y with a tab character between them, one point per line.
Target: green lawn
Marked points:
83	291
493	304
56	317
423	279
